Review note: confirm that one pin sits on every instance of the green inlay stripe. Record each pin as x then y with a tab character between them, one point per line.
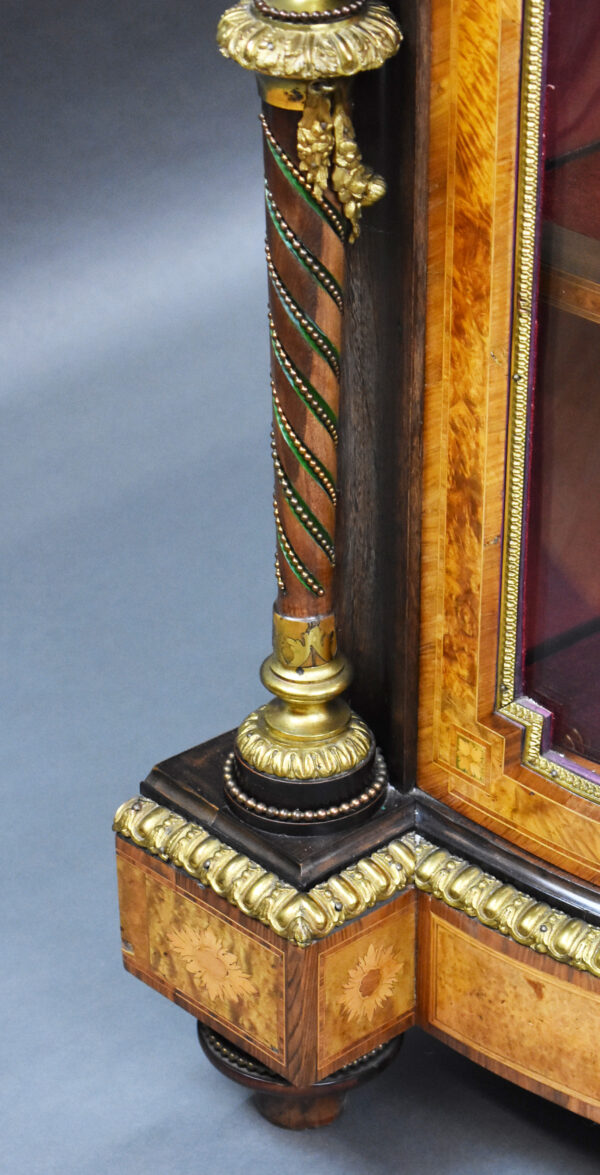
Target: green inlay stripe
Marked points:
310	263
323	208
315	587
314	336
319	407
316	469
316	531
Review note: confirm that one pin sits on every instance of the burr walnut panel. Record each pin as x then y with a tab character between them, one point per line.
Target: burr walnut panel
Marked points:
524	1016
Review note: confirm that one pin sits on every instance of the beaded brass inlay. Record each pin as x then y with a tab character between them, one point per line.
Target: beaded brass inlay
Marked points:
377	783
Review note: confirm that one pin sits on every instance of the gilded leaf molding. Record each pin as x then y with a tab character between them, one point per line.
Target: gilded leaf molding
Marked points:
313	760
300	917
287	50
305	917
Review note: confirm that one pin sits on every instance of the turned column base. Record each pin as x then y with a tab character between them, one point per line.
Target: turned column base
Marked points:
286	1105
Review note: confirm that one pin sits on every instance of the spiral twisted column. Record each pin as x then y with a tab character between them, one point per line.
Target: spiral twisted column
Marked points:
305	264
305	760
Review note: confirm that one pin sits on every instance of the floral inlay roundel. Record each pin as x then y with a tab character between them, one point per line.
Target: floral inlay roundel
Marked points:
212	966
370	983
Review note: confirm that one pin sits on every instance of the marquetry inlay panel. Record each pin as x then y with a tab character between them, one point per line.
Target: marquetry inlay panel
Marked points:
305	1012
501	996
201	958
366	983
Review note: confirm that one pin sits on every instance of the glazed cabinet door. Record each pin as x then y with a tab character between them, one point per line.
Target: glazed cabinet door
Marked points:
509	729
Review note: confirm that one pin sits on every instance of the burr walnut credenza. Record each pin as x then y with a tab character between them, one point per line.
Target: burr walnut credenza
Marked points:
409	832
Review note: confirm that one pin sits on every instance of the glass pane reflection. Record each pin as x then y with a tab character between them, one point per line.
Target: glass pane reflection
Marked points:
562	586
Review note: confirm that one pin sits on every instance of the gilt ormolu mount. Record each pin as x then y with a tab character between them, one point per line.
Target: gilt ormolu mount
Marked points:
272	881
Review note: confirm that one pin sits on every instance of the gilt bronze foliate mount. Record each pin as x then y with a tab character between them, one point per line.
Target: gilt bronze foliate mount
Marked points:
305	761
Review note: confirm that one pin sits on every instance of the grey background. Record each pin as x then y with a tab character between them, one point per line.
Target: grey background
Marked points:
137	553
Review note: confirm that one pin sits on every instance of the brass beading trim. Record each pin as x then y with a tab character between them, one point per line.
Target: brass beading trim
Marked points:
378	782
509	703
303	918
316	16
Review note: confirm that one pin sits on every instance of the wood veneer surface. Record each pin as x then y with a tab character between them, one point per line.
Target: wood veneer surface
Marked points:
520	1014
303	1012
382	390
468	756
306	1013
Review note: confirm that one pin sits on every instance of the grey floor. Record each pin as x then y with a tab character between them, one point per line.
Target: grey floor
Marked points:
136	560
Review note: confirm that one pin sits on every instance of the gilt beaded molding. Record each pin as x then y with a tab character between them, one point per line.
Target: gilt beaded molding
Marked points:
305	917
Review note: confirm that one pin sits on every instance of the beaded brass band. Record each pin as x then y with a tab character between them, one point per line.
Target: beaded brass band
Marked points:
339	12
338	803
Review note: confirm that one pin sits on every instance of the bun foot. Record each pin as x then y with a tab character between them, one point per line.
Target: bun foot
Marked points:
299	1110
294	1107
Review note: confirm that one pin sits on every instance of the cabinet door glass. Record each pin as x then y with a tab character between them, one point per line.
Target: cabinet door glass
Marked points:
561	620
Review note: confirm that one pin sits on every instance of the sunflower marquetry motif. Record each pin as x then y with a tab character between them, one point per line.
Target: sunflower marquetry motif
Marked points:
367	982
213	967
370	983
198	955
